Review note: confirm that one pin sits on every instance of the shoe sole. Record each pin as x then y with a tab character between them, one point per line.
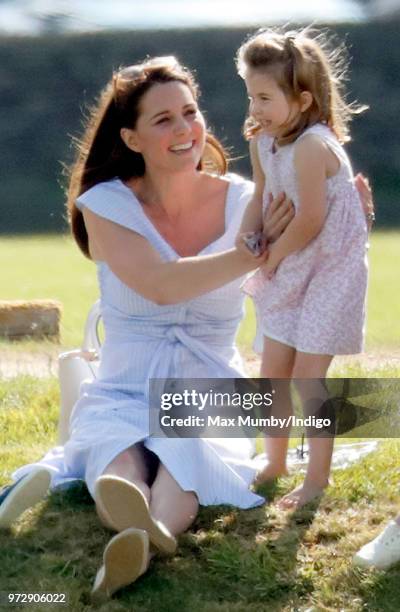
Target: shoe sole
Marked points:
125	558
25	494
125	506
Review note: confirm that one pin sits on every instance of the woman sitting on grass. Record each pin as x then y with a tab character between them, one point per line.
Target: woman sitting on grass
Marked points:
150	203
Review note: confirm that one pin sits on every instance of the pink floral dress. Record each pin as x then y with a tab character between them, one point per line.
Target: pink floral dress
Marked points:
316	300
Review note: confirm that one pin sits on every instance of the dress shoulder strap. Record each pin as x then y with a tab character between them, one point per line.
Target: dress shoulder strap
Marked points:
114	201
239	194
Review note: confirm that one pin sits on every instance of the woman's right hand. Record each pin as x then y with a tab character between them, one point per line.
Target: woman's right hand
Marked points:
280	212
252	247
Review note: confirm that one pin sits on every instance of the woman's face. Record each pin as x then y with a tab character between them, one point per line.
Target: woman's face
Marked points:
170	130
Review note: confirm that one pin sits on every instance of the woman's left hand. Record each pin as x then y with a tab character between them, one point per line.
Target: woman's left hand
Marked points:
365	192
280	211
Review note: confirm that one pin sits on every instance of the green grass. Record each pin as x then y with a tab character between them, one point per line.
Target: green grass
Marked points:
230	560
52	267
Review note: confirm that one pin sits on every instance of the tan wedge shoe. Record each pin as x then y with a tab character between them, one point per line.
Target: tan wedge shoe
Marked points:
124	506
125	558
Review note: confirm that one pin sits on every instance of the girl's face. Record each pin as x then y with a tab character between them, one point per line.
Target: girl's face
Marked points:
170	131
269	105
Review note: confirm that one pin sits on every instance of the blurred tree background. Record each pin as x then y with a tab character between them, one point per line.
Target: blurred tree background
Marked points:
47	82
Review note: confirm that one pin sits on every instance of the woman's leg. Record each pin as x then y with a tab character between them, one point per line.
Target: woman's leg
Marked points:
170	504
127	555
277	362
165	501
308	370
131	465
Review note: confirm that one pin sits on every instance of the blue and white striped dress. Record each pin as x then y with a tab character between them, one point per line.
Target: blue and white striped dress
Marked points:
143	340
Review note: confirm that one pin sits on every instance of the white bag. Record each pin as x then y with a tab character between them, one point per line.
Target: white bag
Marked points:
77	366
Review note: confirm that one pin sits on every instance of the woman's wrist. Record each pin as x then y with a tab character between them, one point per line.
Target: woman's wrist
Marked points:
246	259
255	242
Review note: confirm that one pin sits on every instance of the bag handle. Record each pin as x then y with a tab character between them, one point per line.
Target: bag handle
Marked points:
91	338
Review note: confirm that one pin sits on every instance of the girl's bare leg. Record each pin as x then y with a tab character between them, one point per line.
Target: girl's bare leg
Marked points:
277	362
311	367
170	504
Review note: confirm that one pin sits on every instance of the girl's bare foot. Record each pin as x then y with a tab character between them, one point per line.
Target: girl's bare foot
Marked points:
301	495
269	472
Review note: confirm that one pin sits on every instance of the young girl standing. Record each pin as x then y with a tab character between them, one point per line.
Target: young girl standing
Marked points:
310	295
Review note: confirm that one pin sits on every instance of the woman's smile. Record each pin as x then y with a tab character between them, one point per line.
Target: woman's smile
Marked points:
182	148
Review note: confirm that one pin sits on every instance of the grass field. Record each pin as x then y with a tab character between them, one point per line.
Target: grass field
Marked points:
260	560
52	267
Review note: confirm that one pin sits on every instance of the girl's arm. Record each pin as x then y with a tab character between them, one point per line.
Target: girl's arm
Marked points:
137	264
311	166
253	218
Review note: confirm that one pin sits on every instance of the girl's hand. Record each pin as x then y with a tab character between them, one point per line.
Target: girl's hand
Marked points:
279	214
270	267
268	270
365	192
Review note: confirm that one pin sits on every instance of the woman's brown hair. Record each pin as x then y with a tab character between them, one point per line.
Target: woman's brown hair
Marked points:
102	154
300	61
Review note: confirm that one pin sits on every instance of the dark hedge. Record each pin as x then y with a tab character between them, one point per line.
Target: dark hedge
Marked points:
46	83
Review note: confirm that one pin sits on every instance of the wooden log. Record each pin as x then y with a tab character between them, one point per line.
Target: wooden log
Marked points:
36	319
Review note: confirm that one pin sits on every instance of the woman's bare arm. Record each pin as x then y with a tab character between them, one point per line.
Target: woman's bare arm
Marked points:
137	264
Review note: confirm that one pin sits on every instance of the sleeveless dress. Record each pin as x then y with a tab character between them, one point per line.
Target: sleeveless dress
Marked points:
315	302
143	340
